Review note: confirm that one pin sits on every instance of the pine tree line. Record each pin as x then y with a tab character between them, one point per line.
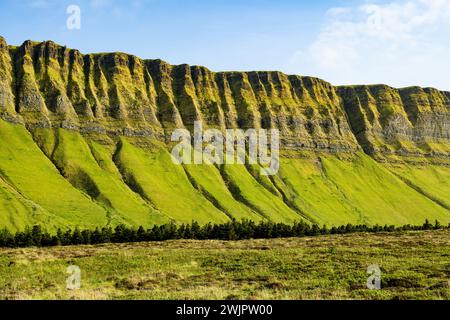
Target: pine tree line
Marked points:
234	230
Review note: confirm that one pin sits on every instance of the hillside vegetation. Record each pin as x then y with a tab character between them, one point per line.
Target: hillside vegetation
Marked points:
84	141
412	266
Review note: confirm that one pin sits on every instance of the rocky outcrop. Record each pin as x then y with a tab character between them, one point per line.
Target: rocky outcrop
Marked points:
399	122
85	144
47	85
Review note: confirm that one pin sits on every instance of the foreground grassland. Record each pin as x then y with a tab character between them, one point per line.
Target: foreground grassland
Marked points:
414	265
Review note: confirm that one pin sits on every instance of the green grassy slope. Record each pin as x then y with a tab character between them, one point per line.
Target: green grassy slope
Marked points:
26	169
207	178
16	212
247	189
165	185
307	188
63	179
380	195
357	190
105	186
431	180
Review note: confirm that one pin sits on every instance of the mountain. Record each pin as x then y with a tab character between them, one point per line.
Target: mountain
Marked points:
85	141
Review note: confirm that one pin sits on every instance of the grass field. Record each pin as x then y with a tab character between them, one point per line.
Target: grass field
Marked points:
414	265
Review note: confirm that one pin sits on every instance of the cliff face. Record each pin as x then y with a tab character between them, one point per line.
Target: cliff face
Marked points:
410	121
83	143
46	85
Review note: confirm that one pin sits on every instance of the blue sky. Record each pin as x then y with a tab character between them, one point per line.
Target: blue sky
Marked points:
398	42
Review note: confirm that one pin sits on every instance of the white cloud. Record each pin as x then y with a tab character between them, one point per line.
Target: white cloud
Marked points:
402	42
339	11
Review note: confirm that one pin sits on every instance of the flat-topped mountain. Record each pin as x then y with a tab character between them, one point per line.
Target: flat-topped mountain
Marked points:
47	85
83	141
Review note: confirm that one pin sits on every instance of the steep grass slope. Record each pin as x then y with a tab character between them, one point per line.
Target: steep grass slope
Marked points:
84	142
71	180
379	195
208	180
16	211
355	189
432	181
79	166
52	199
248	190
158	180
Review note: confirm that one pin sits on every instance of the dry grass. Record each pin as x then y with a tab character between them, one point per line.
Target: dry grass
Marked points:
414	265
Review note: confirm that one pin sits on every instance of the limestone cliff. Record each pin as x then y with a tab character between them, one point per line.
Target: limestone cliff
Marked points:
47	85
83	142
407	122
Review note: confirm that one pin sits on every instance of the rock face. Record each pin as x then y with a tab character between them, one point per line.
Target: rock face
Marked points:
410	121
83	142
46	85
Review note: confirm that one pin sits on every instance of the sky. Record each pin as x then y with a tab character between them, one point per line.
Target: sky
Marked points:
396	42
